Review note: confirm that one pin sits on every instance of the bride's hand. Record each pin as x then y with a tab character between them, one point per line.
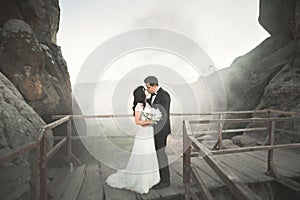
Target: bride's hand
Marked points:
148	122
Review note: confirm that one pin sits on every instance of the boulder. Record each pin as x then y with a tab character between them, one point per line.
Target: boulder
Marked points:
279	17
268	76
19	126
42	16
38	70
244	140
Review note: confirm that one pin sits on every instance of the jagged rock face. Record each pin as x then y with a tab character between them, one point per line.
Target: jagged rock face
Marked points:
19	125
256	69
30	58
283	91
268	77
42	16
39	86
252	81
280	17
37	70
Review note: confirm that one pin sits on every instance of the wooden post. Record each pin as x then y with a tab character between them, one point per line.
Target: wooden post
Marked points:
69	142
43	169
34	167
271	167
186	162
220	132
218	145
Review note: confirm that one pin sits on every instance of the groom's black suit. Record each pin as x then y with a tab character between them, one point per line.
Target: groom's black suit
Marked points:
161	130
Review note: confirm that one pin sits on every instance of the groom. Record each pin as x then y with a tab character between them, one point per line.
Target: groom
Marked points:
160	99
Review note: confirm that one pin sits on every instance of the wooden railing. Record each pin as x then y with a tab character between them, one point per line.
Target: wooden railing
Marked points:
40	156
234	184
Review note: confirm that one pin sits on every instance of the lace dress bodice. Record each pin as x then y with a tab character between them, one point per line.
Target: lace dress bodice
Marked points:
140	108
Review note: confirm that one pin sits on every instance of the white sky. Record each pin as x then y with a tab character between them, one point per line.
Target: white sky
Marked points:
225	29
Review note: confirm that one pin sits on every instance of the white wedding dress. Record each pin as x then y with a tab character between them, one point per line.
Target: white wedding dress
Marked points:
142	171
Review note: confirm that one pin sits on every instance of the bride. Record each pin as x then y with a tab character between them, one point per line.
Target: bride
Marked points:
142	171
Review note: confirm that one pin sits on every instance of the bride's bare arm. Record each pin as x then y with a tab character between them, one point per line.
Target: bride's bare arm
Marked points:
138	121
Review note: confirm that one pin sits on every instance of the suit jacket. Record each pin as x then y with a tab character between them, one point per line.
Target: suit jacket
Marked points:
162	101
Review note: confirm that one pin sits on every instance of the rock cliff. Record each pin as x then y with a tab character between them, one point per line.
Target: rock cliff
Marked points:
269	75
37	69
19	125
34	82
42	16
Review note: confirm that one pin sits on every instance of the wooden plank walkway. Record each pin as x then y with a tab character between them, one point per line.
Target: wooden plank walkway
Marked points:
88	181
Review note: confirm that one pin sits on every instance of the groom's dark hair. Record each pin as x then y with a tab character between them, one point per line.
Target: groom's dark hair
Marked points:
152	80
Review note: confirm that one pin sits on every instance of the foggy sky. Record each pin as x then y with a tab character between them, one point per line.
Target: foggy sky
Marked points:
225	29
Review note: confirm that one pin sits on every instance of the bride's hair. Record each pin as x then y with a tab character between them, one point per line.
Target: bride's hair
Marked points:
139	97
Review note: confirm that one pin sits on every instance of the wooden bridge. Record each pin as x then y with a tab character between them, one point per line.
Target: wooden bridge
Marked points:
88	181
197	172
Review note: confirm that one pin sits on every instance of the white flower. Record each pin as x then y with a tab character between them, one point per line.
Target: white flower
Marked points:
154	114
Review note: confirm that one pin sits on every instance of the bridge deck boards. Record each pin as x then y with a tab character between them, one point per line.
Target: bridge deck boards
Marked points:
59	183
252	172
210	178
111	193
88	182
285	163
92	186
74	186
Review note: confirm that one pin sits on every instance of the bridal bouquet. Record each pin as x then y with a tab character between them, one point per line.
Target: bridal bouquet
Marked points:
154	114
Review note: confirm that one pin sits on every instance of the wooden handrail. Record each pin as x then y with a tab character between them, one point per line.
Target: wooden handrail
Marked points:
256	148
56	147
42	157
238	189
283	112
57	122
42	134
84	137
234	184
179	114
205	121
92	116
171	114
233	130
20	151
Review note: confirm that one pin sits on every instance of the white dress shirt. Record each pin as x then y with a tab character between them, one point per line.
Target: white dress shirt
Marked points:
154	95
